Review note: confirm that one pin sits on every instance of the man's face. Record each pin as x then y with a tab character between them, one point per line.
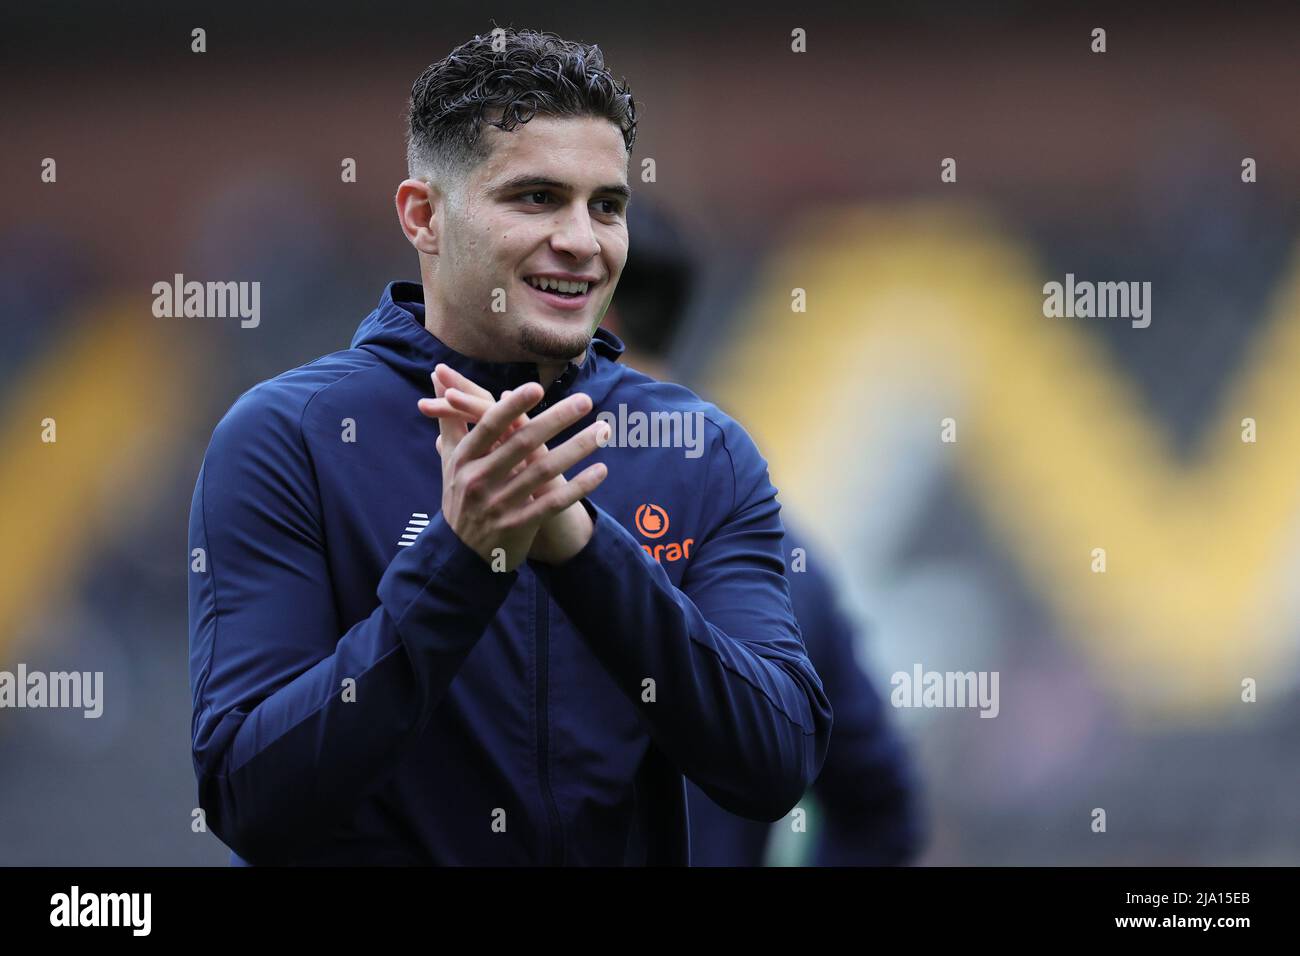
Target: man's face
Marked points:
547	201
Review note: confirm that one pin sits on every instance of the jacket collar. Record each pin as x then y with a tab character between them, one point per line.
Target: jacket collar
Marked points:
395	333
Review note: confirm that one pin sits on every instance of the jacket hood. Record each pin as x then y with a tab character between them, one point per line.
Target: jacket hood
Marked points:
395	333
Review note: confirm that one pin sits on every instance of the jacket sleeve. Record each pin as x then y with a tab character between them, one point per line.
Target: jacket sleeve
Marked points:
867	790
737	705
297	714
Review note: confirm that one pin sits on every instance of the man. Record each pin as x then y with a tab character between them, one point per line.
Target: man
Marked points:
500	638
866	790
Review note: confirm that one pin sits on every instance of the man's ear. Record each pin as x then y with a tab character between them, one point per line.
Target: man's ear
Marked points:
417	207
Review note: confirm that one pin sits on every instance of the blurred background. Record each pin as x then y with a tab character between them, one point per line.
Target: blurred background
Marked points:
817	171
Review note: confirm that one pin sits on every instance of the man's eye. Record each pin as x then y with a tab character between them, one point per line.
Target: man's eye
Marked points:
615	207
531	195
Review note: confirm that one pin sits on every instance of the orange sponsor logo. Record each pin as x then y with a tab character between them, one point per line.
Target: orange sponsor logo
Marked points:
652	522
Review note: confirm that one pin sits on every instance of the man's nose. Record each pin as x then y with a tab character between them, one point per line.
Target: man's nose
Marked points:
574	235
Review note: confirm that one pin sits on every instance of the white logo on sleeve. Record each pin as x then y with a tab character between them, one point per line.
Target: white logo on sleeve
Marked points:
419	521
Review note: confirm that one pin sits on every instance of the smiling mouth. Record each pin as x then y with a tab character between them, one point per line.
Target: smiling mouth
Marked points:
562	286
571	298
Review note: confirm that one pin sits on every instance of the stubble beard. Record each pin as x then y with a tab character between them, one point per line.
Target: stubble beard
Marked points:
551	345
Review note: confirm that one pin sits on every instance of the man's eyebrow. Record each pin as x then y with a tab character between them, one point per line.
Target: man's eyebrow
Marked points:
520	182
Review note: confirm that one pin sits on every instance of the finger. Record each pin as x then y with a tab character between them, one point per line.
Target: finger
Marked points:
497	419
510	430
472	408
530	457
547	468
453	379
469	404
559	498
476	407
453	432
438	408
537	432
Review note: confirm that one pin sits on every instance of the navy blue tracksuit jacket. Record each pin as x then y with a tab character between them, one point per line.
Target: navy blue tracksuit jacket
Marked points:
368	690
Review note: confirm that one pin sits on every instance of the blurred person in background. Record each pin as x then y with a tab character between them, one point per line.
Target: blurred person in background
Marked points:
867	792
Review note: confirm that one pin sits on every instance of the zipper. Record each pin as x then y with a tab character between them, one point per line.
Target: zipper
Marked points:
543	644
543	640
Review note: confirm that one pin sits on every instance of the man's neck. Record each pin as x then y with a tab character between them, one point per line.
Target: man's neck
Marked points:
548	372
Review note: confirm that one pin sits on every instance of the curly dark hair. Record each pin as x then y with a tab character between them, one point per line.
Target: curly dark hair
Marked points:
532	72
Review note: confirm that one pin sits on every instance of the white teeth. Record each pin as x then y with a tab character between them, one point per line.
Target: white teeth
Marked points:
560	285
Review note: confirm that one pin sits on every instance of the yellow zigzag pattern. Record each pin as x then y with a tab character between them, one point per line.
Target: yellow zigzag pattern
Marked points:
1053	442
116	389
